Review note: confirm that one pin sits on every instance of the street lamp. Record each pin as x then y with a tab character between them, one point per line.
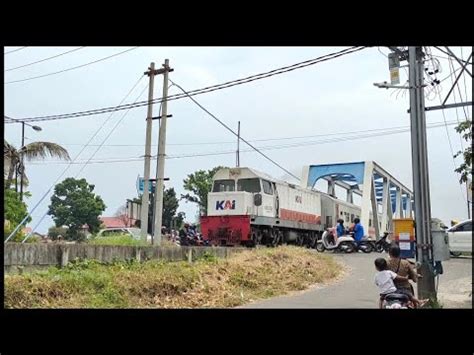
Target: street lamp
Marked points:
37	129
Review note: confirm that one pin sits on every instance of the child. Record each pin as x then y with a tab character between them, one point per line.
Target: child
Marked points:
384	281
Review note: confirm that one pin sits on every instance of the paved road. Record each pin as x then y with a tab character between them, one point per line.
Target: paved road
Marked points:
357	289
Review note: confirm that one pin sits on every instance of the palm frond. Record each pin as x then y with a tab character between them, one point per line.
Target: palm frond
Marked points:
40	150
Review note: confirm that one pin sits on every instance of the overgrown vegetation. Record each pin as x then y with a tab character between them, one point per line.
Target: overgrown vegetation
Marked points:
208	282
117	239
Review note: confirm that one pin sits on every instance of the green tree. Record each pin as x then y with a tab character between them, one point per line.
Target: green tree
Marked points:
32	151
74	204
14	211
170	206
200	184
465	169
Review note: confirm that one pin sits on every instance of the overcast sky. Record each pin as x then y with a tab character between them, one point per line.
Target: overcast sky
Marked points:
337	96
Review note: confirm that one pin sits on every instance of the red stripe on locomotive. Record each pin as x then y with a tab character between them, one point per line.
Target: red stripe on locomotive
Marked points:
299	216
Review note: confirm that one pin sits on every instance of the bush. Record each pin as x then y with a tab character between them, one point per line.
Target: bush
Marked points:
53	232
117	239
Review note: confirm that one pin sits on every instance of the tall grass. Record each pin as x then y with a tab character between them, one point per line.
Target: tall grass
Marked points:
208	282
117	239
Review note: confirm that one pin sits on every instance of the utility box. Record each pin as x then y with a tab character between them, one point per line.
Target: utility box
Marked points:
404	234
440	242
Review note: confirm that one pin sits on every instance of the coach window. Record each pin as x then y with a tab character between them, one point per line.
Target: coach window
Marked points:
267	187
347	216
224	185
352	217
248	185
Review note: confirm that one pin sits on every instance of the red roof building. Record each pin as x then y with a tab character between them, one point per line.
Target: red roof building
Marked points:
117	222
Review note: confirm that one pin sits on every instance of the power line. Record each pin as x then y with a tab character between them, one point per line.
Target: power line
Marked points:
232	131
397	130
261	140
465	86
202	90
449	55
64	171
73	68
15	50
45	59
110	133
450	145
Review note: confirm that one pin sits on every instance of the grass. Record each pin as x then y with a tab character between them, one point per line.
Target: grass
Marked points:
117	239
207	283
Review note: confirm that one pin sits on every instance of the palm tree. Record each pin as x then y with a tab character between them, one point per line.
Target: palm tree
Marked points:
32	151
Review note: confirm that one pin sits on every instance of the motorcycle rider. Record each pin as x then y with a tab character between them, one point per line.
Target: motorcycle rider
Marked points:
338	232
183	234
358	231
385	280
341	230
401	267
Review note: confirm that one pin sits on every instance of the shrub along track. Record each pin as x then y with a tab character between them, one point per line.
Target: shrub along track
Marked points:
207	282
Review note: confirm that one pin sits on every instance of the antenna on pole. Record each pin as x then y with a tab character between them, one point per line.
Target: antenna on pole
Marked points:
237	163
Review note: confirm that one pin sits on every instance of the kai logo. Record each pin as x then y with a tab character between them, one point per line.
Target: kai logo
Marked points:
225	205
299	199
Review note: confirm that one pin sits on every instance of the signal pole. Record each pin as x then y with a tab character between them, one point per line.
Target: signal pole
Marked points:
146	175
161	157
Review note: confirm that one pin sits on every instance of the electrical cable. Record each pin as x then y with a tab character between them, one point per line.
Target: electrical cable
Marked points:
202	90
45	59
73	68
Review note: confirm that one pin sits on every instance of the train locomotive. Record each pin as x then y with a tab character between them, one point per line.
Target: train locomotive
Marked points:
248	207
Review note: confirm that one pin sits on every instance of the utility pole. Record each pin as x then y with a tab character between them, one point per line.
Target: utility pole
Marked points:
161	156
146	175
421	190
21	159
237	164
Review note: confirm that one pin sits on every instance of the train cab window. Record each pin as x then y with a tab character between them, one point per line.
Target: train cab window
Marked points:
267	187
370	223
248	185
223	186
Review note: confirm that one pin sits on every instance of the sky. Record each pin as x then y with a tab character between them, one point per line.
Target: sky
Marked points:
329	98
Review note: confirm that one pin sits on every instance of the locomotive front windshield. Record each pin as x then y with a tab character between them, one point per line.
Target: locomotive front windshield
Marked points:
224	185
248	185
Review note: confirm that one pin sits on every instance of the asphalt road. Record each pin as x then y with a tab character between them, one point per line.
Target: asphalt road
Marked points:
357	289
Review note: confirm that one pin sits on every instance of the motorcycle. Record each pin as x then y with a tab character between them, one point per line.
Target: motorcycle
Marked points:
328	241
382	244
365	244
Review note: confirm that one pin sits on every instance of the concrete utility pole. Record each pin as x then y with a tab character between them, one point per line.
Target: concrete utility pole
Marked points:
421	185
161	157
146	175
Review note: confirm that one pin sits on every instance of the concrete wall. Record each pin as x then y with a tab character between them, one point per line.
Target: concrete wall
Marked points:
30	256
